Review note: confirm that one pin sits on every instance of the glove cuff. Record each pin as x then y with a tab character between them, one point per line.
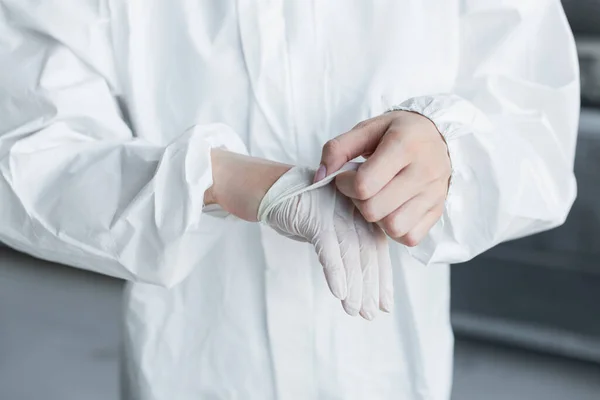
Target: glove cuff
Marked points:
293	183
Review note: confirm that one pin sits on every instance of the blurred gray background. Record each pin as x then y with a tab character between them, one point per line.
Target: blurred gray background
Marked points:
526	314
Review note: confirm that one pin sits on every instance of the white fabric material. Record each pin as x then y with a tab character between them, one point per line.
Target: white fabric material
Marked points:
99	170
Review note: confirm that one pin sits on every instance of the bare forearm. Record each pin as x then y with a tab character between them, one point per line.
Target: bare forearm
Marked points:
240	182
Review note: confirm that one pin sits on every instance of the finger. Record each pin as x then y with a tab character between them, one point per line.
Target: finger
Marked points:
406	217
345	183
328	251
386	279
402	188
379	169
388	159
370	270
362	139
349	251
400	147
416	235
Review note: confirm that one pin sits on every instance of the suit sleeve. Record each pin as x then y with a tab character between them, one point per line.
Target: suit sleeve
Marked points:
510	124
76	186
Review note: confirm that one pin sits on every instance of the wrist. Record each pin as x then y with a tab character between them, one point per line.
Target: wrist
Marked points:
240	182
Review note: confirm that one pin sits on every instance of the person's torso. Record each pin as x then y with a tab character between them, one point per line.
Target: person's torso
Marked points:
285	75
256	319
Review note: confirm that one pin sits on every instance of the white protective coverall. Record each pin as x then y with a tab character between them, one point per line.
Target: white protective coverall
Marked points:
108	112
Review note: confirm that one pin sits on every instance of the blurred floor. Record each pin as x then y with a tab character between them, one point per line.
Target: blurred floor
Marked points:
59	331
485	371
59	336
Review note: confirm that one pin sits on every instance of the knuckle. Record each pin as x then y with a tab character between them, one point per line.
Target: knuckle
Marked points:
333	146
367	122
393	133
379	120
361	124
410	240
369	211
361	186
394	228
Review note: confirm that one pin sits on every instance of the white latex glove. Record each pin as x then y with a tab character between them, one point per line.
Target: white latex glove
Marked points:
353	252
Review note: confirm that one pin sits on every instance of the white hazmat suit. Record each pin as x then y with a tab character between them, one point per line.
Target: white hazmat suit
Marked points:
108	112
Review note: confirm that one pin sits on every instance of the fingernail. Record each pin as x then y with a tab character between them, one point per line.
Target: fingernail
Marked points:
339	292
338	286
350	310
320	174
386	306
366	315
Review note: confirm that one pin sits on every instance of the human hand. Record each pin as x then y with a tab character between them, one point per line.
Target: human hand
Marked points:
353	252
404	182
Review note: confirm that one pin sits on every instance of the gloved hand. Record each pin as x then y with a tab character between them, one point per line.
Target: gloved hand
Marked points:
353	252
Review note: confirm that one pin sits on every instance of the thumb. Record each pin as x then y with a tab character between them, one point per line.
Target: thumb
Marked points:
360	140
